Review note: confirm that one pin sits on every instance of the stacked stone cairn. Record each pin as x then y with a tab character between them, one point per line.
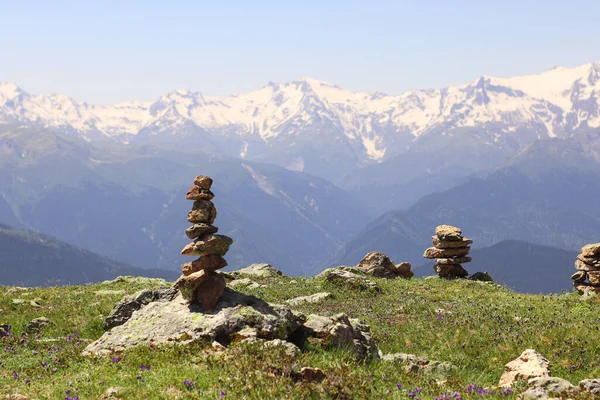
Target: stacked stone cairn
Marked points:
200	281
450	250
587	277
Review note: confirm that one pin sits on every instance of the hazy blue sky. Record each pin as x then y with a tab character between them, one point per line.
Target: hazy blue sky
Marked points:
105	52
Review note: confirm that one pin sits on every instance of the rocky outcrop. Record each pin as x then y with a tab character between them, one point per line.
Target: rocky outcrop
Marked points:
378	264
549	387
450	249
125	308
313	298
179	321
530	364
342	277
342	332
419	365
200	282
587	277
259	270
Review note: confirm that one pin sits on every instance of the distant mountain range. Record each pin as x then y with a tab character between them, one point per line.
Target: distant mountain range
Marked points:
31	259
313	126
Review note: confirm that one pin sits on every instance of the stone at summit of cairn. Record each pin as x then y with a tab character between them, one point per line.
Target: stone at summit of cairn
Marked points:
587	277
200	281
450	250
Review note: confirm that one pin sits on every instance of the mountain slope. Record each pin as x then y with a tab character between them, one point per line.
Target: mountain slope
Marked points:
522	266
320	128
547	195
31	259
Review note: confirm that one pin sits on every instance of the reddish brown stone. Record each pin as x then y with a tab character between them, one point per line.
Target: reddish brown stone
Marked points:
203	182
209	292
211	262
433	252
196	193
198	230
450	270
203	211
449	233
208	244
450	244
187	284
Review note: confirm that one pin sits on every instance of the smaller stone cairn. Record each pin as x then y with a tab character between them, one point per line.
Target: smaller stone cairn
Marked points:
450	250
200	281
587	277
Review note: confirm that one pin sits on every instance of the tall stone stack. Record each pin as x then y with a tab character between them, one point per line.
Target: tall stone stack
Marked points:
450	250
200	281
587	277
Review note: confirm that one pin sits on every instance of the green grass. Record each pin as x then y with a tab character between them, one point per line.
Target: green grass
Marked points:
478	327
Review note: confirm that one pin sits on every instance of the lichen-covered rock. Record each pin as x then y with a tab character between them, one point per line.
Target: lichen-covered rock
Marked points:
178	321
259	270
448	233
345	278
378	264
342	332
203	211
313	298
549	387
530	364
125	308
419	365
246	283
187	284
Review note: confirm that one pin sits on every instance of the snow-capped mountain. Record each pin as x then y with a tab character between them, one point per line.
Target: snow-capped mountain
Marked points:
315	126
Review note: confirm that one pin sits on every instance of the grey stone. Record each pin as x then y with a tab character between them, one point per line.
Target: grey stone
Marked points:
530	364
259	270
125	308
419	365
38	323
590	385
345	278
342	332
313	298
180	322
246	283
548	387
290	348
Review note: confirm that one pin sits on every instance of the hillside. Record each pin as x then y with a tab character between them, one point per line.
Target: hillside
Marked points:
32	259
545	195
475	326
521	266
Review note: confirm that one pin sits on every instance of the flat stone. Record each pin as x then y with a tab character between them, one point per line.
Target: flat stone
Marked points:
433	252
530	364
582	266
448	233
209	262
593	277
203	182
200	229
592	261
203	211
453	260
246	283
126	307
197	193
208	244
181	322
591	250
187	284
450	244
585	288
313	298
579	276
549	387
259	270
450	270
210	290
350	279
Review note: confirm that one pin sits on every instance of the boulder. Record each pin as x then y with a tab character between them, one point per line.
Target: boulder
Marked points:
210	290
200	229
203	182
342	332
433	252
209	262
591	250
549	387
377	264
259	270
450	244
197	193
450	270
289	348
530	364
448	233
591	386
125	308
187	284
481	276
455	260
208	244
181	322
203	211
313	298
38	323
345	278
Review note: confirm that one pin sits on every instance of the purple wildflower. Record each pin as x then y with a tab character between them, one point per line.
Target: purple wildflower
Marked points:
440	317
399	386
43	364
15	375
27	381
115	359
